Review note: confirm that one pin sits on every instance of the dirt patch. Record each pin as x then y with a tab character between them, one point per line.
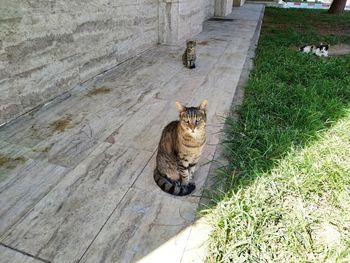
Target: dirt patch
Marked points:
203	43
321	27
339	50
34	130
44	150
62	124
280	27
97	91
341	30
9	162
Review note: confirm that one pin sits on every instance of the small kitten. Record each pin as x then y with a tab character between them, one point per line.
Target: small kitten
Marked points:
189	57
179	149
321	50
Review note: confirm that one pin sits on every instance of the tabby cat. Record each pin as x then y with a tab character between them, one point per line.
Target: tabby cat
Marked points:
189	57
179	150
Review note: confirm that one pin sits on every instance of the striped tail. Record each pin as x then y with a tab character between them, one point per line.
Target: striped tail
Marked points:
184	59
172	187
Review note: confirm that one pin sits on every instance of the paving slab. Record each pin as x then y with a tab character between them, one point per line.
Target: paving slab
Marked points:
143	222
10	256
62	225
23	183
77	174
196	247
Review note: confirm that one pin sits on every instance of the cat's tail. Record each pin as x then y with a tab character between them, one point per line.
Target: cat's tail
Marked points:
184	59
172	187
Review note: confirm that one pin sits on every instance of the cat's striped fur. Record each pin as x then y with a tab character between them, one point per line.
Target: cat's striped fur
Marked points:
179	150
189	57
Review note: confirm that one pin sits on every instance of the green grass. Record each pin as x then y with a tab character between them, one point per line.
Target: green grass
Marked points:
286	192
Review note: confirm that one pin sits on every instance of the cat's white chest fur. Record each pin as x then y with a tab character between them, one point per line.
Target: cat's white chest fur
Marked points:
197	135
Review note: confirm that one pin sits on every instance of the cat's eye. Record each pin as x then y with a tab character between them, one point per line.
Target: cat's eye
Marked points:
188	122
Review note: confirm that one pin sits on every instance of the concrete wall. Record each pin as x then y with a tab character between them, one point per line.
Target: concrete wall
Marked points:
182	19
223	7
238	3
48	47
209	7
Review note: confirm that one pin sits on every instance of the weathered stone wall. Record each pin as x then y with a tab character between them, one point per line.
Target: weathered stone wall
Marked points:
209	7
223	7
181	19
49	46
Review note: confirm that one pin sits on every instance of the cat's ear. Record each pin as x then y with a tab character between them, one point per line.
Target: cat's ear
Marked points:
204	105
179	106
